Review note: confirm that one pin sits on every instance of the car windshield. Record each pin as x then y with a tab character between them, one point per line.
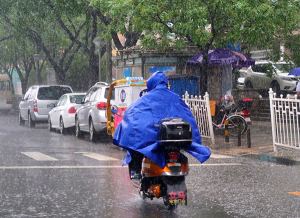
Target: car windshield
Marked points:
52	92
282	67
74	97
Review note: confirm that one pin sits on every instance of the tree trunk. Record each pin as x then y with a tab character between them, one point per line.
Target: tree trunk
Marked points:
94	74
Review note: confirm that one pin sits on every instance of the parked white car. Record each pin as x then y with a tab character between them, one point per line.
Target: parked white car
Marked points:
62	116
281	83
241	80
91	117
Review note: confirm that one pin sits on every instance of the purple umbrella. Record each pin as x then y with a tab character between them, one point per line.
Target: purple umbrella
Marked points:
295	71
220	56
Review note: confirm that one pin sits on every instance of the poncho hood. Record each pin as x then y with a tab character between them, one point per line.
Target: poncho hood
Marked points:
156	79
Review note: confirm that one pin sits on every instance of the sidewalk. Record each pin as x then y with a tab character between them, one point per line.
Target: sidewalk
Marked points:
261	145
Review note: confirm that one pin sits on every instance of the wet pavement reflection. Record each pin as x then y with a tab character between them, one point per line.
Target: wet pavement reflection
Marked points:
88	180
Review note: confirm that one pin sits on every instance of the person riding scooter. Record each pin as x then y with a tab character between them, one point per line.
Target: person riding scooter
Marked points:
137	133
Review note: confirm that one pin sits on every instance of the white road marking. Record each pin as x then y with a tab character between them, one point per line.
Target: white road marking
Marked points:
219	156
97	167
57	167
96	156
218	164
39	156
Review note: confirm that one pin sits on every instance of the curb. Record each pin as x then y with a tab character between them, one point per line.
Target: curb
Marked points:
262	154
274	159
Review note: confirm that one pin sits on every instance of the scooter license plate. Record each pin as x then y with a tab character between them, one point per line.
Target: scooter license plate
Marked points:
248	120
177	193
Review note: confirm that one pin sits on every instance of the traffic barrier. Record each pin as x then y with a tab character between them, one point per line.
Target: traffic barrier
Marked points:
226	131
248	138
239	136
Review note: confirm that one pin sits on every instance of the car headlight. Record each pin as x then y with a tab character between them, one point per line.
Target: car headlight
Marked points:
286	78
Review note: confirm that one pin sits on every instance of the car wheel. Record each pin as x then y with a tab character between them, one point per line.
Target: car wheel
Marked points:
31	123
92	132
21	122
264	93
248	85
50	125
62	129
284	94
276	88
78	132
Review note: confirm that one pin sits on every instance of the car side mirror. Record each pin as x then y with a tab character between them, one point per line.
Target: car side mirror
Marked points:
114	109
78	101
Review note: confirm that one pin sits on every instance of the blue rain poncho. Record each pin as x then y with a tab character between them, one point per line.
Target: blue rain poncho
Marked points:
139	127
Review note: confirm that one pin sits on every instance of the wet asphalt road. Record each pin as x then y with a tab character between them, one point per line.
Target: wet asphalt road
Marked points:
45	174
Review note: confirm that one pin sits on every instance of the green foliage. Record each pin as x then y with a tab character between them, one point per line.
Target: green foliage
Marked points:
161	24
293	43
76	76
18	18
205	24
268	68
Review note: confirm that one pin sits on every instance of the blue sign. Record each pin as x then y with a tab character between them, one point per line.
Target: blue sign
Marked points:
123	95
126	72
235	46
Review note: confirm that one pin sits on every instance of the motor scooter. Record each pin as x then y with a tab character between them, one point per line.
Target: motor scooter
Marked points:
168	183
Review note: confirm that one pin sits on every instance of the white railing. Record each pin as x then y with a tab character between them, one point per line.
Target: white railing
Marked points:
285	115
201	110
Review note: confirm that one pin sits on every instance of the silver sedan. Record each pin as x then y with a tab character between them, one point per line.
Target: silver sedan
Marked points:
62	116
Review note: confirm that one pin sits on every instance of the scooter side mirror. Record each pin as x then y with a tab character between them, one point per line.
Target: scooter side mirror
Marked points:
114	109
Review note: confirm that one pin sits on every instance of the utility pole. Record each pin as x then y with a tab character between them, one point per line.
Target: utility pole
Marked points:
108	61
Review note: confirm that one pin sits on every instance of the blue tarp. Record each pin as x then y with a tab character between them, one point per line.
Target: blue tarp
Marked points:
180	84
139	127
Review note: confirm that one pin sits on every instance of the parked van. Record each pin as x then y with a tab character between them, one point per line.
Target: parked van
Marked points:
37	103
5	93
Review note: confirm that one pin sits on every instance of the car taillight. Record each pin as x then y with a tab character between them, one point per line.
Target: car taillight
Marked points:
72	110
101	105
8	101
35	106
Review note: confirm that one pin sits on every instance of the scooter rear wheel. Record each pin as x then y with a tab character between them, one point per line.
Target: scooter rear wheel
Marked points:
142	195
167	203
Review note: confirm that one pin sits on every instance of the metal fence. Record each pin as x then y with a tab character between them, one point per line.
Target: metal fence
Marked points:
285	119
200	108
